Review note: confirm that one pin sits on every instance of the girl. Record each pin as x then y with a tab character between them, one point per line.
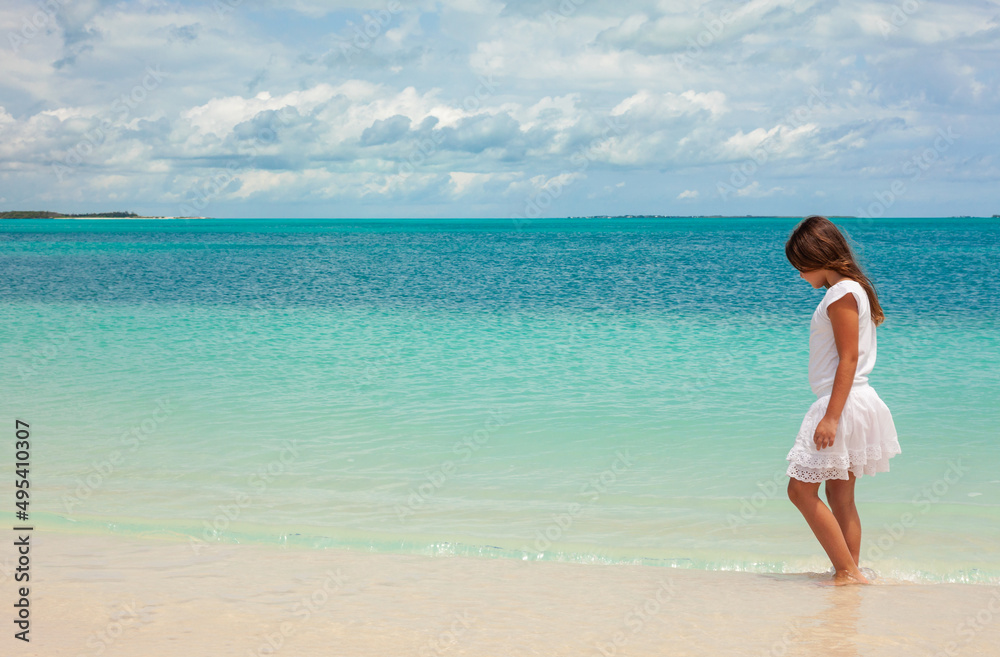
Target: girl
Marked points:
848	431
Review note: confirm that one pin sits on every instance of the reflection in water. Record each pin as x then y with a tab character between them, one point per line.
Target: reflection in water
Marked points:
833	631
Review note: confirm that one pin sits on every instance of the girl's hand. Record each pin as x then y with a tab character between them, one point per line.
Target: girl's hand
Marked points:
826	431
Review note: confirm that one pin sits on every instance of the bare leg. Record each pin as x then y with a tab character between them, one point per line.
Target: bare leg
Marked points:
805	497
840	495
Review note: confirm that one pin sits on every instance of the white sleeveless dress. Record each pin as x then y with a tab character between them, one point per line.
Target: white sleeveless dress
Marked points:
866	436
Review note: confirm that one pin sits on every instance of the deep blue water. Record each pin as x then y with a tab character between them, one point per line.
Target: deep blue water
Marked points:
693	265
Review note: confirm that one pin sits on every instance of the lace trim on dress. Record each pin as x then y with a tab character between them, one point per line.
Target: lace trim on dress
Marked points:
813	468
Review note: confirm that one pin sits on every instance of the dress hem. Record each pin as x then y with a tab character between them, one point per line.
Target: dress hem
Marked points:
806	467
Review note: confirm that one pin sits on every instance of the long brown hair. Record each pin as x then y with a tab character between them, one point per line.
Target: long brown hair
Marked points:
816	243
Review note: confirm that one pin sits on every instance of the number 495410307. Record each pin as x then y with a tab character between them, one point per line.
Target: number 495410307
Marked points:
22	445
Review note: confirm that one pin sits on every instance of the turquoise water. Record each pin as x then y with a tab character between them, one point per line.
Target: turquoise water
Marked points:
589	390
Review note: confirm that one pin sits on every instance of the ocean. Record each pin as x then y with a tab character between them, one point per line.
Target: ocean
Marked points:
602	391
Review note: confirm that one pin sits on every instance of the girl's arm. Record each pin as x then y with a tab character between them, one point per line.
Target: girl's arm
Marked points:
844	317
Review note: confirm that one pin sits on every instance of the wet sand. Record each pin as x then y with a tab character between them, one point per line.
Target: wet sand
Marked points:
112	595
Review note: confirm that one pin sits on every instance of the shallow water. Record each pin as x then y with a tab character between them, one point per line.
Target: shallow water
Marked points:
602	391
120	595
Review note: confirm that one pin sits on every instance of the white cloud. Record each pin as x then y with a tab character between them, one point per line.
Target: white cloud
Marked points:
668	104
779	141
257	182
495	102
754	190
220	115
470	183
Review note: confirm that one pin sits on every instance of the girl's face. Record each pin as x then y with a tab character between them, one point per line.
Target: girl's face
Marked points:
817	277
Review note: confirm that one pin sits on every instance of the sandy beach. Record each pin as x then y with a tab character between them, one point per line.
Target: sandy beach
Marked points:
385	446
112	595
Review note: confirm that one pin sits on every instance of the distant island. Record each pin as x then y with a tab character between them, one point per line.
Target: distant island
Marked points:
39	214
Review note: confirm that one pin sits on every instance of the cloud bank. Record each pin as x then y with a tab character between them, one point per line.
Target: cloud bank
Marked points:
508	109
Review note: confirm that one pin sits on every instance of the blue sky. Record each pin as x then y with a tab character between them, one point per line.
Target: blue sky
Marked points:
471	108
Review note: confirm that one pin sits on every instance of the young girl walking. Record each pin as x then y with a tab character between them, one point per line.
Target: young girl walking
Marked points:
848	431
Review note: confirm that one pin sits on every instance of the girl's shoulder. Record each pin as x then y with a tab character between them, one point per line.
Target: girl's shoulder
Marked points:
843	287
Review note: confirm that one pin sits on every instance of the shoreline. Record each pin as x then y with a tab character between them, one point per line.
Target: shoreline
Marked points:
808	567
144	596
933	557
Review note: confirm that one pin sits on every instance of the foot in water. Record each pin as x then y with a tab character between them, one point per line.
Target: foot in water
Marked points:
846	578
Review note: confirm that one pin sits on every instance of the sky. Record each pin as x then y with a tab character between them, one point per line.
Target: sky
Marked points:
483	108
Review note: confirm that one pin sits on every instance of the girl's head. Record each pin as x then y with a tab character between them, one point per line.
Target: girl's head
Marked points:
816	244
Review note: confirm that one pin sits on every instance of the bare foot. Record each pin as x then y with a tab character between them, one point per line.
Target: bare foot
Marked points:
845	578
